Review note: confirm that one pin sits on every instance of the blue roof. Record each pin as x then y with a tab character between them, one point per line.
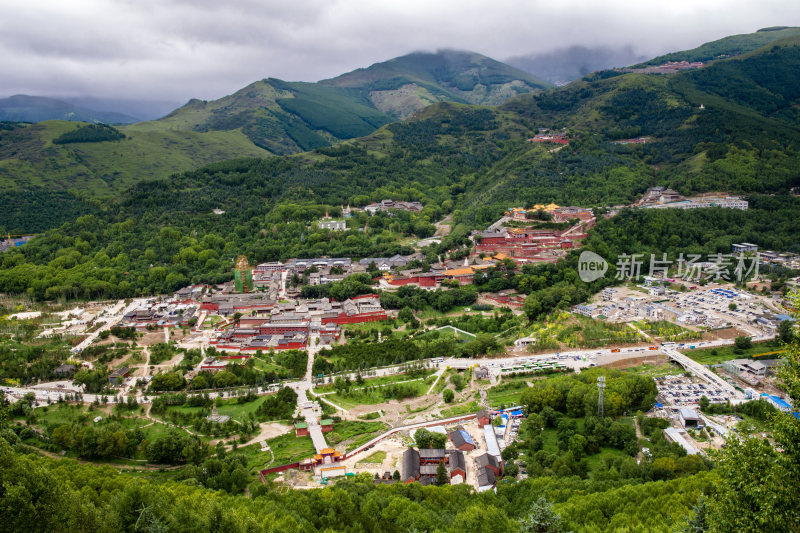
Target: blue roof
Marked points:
466	436
518	412
659	405
777	401
780	402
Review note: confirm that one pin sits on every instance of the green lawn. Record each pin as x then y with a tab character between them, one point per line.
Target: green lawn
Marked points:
230	407
726	353
264	366
507	394
370	397
286	448
374	382
461	409
656	370
63	413
359	432
376	457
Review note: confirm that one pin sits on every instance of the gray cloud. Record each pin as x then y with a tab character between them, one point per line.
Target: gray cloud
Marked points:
178	49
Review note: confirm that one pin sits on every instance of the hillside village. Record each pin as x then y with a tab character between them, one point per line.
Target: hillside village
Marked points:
432	294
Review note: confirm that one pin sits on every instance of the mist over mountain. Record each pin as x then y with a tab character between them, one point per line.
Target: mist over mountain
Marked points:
139	109
563	65
25	108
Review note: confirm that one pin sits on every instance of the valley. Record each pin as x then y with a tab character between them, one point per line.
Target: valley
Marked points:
432	294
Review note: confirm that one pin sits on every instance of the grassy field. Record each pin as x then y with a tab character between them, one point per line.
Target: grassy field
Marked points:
654	371
356	432
374	382
231	408
461	409
264	366
370	397
376	457
507	393
565	330
712	356
286	449
58	414
151	150
668	331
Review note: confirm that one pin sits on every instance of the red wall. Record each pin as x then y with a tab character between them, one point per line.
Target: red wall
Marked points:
356	319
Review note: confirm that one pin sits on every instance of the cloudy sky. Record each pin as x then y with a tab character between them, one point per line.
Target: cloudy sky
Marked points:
178	49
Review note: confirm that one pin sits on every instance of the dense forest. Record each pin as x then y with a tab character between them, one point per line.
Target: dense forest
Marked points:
91	133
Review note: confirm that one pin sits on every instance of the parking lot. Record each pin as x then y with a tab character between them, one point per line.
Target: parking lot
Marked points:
683	391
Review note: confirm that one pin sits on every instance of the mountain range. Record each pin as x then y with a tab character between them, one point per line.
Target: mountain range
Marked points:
24	108
709	128
287	117
267	117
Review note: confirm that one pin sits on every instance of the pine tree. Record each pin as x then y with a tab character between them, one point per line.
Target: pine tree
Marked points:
441	475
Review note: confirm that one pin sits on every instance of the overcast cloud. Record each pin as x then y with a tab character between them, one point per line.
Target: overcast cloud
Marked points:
178	49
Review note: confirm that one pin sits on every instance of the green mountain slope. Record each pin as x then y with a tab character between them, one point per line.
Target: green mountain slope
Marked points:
406	84
289	117
266	117
470	161
282	117
24	108
30	159
732	45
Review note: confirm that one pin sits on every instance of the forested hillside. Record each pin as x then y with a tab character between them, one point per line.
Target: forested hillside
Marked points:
62	495
269	116
34	158
470	161
732	45
731	126
403	85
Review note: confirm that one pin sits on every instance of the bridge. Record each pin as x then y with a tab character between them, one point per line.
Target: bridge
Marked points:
699	370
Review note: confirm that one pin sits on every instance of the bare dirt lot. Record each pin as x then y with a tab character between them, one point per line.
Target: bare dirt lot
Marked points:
637	360
726	333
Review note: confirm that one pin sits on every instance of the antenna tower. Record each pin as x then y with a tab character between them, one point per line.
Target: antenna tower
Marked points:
601	384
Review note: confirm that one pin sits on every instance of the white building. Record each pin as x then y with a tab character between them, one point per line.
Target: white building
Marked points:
333	225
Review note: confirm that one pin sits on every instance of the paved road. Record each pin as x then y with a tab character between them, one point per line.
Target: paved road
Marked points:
700	371
112	319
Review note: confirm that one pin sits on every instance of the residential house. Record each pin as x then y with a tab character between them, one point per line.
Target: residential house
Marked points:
118	376
462	440
484	418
